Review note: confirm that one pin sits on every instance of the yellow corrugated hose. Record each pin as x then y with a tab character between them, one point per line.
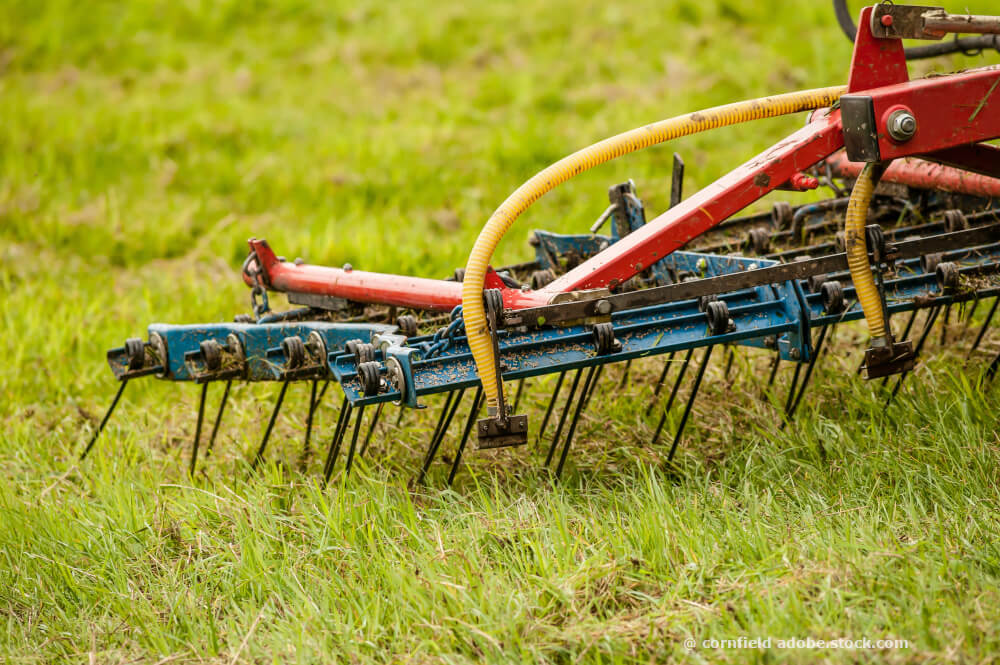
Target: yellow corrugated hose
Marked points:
583	160
857	252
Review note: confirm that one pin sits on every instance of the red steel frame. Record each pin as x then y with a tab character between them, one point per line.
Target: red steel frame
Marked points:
954	113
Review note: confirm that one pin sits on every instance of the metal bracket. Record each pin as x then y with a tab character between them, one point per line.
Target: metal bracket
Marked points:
894	358
857	113
891	21
492	433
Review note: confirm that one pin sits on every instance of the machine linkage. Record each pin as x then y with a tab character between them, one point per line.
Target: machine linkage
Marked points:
913	226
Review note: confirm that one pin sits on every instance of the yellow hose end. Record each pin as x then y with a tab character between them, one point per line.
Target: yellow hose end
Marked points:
857	252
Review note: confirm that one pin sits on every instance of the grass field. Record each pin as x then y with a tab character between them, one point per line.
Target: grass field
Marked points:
142	143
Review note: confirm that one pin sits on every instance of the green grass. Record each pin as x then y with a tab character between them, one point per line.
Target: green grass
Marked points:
141	143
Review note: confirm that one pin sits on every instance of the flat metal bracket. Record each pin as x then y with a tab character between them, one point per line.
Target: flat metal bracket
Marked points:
857	114
497	433
886	360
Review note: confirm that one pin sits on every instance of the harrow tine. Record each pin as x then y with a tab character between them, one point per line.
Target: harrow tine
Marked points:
354	440
562	416
436	442
791	389
581	404
322	393
593	385
983	328
774	369
660	382
805	379
197	429
444	414
517	397
673	395
972	311
309	418
916	352
334	449
944	326
469	424
371	428
104	420
552	401
270	426
729	362
992	369
690	402
218	417
624	380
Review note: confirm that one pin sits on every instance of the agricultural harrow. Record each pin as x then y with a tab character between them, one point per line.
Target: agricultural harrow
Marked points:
913	227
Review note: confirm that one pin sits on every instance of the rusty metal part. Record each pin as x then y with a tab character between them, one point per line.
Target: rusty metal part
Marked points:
922	174
577	311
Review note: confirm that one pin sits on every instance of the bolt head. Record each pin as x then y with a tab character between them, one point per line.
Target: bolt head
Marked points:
603	307
902	125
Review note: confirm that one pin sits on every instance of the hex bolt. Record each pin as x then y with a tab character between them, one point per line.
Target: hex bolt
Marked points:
902	125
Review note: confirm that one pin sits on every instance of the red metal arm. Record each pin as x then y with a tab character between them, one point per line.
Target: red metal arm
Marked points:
361	286
923	175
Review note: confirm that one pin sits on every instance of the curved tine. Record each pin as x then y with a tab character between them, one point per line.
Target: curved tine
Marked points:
345	410
562	416
660	382
625	370
690	402
218	418
774	370
916	352
322	393
371	428
436	443
354	440
587	394
581	404
730	357
680	377
944	325
469	424
197	429
104	420
313	402
444	414
517	397
673	395
967	319
552	401
270	426
983	328
805	379
791	388
991	371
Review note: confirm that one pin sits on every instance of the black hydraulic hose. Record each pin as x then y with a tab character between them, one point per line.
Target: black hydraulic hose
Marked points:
966	45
